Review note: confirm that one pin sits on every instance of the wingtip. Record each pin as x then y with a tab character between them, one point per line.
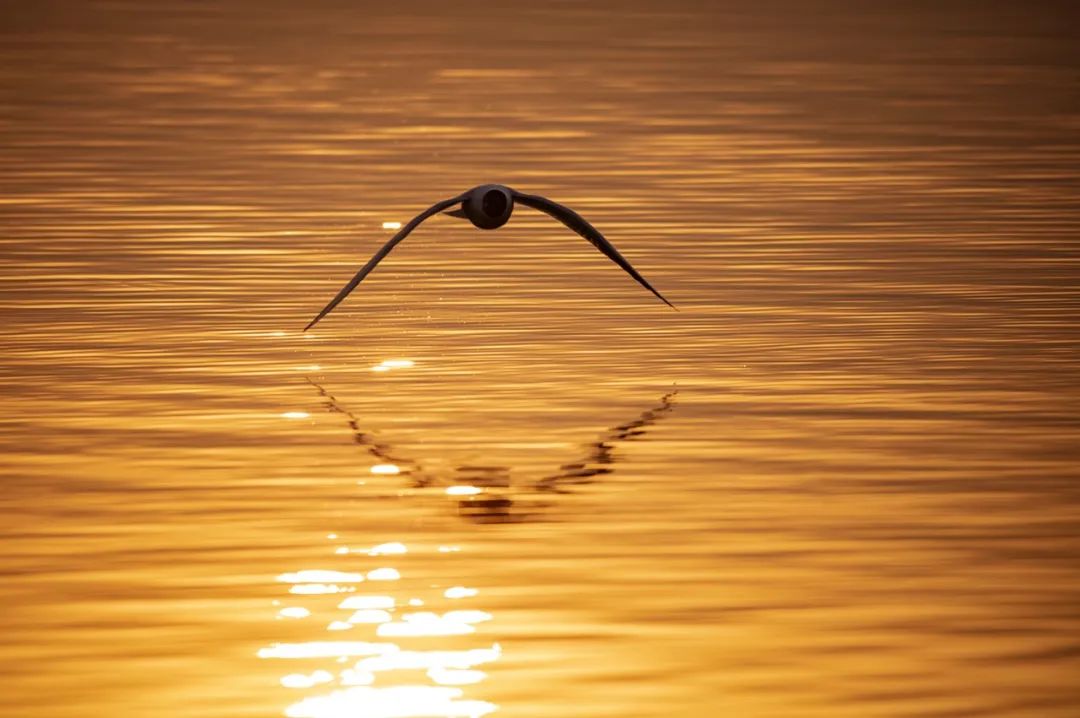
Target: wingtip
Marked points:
319	317
662	298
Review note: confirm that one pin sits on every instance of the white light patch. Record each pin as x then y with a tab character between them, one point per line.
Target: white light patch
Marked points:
294	612
295	415
302	680
385	469
463	490
467	616
424	623
383	574
388	364
387	549
317	589
417	660
391	225
390	702
460	592
353	677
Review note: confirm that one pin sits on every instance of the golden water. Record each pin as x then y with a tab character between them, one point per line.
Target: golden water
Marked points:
840	481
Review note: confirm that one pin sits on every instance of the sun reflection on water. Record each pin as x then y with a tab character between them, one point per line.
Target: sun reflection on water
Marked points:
320	576
295	415
388	364
384	674
463	490
310	589
391	702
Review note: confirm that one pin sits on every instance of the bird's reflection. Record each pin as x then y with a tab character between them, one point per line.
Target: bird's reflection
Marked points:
600	457
486	494
380	451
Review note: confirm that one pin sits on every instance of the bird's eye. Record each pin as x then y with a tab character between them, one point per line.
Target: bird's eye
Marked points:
494	203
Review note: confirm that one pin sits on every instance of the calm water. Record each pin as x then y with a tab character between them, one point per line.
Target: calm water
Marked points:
841	481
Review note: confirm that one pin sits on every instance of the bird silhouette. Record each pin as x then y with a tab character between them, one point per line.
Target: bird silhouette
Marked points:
489	206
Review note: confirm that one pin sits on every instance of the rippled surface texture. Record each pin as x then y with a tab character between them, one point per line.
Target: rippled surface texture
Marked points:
503	479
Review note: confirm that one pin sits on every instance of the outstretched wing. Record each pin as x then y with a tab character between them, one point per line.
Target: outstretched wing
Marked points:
576	222
374	261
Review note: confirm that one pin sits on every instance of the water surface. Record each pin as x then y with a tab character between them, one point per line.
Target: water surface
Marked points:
501	478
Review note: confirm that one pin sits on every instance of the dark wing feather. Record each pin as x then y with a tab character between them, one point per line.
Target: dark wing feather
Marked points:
576	222
374	261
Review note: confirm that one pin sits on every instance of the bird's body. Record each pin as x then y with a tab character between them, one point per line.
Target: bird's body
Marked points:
489	206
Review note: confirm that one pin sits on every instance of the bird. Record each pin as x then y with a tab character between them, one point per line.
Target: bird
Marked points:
489	206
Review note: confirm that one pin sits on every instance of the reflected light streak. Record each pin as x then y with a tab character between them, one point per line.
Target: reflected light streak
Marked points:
314	589
391	225
388	364
383	574
472	616
386	549
463	490
460	592
320	576
353	677
326	649
425	623
295	415
385	469
303	680
451	677
390	702
294	612
426	660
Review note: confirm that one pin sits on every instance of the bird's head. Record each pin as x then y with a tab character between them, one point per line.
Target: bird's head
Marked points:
489	206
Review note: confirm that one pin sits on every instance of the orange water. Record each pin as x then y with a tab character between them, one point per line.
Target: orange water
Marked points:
840	481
